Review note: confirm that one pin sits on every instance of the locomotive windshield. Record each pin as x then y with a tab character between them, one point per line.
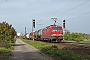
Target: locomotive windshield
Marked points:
56	29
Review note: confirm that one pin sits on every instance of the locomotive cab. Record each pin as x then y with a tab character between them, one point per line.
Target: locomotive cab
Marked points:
56	33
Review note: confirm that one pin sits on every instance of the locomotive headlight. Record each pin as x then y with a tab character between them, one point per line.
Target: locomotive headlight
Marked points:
60	35
53	35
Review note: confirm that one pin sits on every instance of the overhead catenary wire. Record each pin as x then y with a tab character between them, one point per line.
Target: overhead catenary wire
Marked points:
39	21
61	8
79	15
72	9
71	15
75	7
78	10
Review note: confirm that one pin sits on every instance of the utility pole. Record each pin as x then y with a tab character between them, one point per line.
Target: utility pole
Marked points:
25	32
54	19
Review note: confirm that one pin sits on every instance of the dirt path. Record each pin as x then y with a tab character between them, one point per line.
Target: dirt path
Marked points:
23	51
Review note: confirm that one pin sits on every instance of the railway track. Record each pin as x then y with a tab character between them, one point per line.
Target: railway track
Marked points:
66	43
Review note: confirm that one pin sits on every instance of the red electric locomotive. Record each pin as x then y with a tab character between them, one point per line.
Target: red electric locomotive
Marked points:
52	33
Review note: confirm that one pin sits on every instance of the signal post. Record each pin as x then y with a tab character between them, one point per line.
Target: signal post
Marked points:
64	28
33	26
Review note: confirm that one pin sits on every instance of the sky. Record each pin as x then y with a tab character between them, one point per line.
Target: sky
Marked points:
20	14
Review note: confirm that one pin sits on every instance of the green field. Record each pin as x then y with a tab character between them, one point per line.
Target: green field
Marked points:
57	54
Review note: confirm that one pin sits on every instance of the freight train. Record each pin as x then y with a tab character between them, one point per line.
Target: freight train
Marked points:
50	33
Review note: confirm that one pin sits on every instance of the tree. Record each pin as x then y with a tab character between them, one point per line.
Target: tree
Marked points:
7	34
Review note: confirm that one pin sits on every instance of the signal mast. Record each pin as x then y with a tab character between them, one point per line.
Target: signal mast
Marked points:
54	19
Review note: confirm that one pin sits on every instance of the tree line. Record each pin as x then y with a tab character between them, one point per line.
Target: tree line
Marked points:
75	36
7	35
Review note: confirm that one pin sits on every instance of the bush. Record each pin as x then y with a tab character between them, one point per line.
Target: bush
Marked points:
74	36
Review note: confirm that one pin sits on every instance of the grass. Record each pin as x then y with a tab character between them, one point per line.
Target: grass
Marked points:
85	41
57	54
36	44
4	53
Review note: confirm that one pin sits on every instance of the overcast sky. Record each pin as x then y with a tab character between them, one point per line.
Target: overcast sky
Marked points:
20	13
